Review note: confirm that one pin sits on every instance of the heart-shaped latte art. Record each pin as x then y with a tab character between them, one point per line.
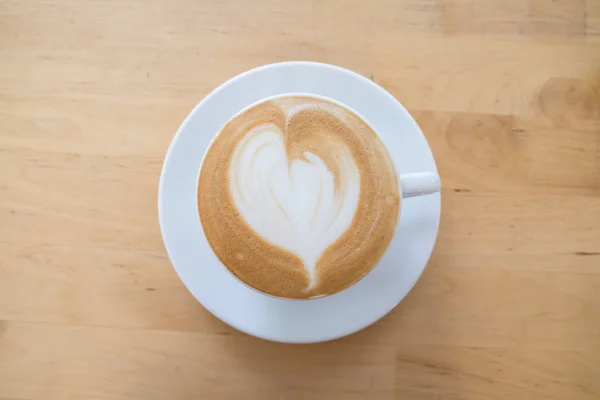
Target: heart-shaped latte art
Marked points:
296	204
298	197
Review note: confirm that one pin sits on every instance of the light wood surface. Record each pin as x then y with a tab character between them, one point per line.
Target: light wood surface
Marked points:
508	95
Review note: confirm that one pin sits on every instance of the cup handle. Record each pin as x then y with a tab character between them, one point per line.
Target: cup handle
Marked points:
419	184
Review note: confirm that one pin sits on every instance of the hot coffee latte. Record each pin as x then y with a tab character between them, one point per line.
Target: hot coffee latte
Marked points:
298	197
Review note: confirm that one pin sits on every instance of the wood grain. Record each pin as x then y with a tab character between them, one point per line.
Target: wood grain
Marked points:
508	95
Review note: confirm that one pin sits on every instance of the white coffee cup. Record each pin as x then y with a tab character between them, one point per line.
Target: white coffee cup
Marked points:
410	185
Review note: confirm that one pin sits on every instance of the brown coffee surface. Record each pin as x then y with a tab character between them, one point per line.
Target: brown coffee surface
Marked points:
335	135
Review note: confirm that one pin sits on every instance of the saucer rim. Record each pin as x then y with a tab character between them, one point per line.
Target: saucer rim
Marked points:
183	127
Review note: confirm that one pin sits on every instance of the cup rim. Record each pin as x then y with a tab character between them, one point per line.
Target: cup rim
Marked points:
315	96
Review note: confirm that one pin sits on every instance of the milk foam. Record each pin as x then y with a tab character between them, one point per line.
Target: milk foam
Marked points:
295	204
298	197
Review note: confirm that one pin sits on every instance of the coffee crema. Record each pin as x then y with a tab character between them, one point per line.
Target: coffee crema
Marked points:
298	197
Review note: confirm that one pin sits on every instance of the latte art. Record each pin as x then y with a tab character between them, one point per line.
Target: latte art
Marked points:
298	197
296	204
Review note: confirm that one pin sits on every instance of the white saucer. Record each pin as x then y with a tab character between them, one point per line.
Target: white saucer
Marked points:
285	320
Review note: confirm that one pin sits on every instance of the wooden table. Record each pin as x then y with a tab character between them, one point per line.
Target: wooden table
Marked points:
508	95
